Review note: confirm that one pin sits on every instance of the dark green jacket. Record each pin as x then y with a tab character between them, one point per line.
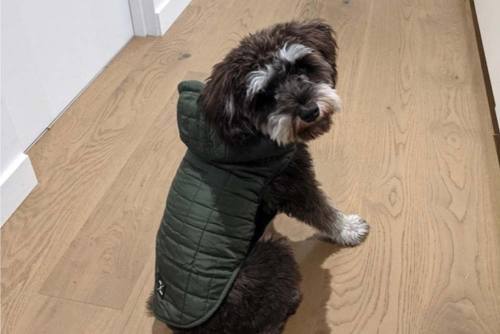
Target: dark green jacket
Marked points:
214	215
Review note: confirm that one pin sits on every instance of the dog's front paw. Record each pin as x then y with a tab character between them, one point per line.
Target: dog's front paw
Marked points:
352	230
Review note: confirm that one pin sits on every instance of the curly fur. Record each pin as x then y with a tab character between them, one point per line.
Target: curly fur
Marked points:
258	59
279	82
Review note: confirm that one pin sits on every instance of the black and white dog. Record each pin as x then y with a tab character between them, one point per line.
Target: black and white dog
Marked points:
279	82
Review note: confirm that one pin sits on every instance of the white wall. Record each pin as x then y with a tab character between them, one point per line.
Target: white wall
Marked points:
488	16
50	51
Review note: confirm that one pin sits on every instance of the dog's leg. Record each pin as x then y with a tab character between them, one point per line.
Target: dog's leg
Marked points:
297	193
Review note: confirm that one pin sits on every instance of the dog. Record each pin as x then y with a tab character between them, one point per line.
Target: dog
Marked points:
279	84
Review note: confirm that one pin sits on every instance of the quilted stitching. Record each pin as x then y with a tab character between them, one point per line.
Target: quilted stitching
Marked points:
209	222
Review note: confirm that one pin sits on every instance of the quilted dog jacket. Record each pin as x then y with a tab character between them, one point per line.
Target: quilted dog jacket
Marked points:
214	215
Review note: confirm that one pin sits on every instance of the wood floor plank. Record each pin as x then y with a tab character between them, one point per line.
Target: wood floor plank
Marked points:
59	316
413	173
104	261
412	152
76	125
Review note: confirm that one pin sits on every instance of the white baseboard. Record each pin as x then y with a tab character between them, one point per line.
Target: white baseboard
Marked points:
16	183
154	19
169	12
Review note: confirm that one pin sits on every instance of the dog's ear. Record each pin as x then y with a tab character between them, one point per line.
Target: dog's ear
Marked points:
321	37
223	103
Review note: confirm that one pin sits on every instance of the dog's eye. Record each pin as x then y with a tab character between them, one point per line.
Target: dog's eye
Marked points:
264	98
267	96
301	70
293	69
303	67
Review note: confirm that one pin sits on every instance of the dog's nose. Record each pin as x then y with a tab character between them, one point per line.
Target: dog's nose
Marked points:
309	113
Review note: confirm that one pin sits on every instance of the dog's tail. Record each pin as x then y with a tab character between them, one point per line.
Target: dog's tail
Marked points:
150	303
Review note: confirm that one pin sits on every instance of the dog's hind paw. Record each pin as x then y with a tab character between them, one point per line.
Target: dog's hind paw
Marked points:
352	230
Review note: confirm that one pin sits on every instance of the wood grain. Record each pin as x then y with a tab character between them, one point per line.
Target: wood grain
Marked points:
412	152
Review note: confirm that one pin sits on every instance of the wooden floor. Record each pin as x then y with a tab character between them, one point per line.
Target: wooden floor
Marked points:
412	152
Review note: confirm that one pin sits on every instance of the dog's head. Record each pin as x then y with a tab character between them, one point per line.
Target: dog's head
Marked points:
279	82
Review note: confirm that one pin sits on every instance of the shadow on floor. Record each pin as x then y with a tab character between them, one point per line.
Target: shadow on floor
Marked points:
311	317
160	328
